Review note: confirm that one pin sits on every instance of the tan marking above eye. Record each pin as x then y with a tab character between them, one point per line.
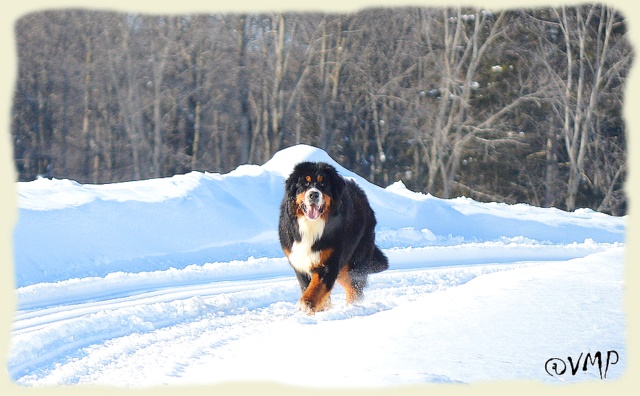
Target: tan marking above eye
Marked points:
320	179
308	178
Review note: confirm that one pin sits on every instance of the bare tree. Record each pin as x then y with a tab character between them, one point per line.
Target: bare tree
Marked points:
466	38
587	33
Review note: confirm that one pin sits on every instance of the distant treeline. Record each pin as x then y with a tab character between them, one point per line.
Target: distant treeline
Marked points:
498	105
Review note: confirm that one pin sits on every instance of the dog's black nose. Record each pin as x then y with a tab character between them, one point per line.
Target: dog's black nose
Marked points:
314	196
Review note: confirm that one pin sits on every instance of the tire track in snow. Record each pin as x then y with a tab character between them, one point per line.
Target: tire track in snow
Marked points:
82	342
46	335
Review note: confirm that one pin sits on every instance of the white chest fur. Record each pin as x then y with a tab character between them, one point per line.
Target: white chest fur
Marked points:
302	258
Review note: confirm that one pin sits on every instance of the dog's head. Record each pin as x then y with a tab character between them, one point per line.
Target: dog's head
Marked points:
316	189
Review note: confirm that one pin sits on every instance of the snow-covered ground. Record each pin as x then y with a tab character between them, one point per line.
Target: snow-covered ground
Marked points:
181	281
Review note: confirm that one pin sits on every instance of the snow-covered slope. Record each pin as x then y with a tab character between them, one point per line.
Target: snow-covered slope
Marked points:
181	280
68	230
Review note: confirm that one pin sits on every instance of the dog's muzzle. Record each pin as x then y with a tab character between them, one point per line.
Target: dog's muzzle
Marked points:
313	204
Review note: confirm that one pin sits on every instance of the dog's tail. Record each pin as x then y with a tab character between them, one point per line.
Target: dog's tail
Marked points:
379	261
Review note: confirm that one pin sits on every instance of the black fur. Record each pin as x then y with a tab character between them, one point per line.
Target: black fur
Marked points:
348	231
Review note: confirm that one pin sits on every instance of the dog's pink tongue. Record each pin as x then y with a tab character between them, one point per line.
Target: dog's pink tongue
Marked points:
313	212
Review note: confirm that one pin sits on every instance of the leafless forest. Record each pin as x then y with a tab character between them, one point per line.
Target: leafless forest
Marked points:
497	105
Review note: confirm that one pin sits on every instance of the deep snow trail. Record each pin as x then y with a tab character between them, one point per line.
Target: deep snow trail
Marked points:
61	344
171	334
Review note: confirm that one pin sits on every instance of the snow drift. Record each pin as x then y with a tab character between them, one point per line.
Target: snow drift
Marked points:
86	230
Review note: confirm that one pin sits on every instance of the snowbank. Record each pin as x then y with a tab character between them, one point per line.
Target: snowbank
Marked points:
66	229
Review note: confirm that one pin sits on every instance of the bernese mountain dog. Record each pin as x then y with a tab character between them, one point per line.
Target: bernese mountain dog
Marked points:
327	231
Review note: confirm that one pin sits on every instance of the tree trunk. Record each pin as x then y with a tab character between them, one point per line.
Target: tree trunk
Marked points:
551	171
198	111
277	93
85	118
244	116
324	138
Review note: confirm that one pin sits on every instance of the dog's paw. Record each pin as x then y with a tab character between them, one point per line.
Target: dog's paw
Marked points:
309	308
305	307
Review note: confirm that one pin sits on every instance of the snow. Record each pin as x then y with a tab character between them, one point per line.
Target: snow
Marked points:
181	280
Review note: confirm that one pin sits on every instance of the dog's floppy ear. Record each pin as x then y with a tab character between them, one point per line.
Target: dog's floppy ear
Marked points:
291	185
338	185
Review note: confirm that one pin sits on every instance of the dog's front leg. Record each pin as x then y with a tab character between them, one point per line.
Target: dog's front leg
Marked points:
317	295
